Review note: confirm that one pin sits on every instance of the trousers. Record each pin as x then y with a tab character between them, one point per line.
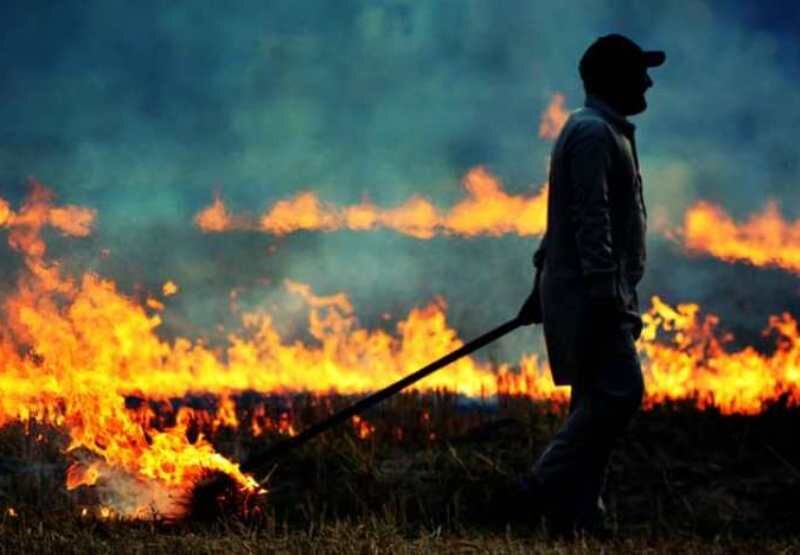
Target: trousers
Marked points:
606	393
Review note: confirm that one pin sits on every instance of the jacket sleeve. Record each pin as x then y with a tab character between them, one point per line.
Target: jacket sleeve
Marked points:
539	254
590	154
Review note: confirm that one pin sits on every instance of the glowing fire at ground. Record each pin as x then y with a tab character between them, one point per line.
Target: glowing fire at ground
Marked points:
765	239
486	210
72	350
691	362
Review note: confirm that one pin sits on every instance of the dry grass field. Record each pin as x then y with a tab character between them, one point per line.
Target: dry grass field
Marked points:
437	474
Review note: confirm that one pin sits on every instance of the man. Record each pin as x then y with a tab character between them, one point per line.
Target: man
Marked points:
587	267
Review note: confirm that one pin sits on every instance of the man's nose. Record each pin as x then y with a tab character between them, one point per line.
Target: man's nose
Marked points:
647	81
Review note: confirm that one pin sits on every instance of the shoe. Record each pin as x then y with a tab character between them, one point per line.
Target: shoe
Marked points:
563	525
544	509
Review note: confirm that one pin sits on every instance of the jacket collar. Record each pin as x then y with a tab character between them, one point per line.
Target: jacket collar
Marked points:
610	115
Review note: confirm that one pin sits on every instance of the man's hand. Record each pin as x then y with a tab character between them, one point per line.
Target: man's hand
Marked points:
531	311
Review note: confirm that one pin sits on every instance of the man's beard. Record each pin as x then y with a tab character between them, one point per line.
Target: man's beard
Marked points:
636	105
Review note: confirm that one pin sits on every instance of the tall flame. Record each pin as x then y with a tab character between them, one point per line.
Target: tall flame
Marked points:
692	363
765	239
68	353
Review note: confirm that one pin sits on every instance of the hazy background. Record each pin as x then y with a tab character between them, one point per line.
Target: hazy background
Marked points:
144	109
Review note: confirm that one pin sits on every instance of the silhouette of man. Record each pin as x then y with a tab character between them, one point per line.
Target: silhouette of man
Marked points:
587	267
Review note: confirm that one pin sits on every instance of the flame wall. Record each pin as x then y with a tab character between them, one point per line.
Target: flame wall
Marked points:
74	350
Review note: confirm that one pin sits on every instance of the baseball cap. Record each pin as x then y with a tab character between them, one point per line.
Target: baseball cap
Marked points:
612	52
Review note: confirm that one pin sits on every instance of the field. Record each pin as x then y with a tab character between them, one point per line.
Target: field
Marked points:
437	473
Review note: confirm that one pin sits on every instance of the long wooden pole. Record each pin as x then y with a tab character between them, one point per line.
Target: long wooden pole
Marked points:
264	456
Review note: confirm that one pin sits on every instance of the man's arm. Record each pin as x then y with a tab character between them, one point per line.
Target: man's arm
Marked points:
590	155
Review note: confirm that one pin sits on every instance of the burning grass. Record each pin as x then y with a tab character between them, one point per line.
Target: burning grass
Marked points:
141	416
131	423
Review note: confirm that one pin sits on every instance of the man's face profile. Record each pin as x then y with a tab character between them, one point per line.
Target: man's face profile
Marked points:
633	84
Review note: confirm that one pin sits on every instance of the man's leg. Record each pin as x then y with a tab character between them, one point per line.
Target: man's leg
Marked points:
571	470
561	468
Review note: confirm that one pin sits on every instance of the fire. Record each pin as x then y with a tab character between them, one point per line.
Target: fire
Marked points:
553	118
55	371
692	362
169	288
74	350
36	212
261	423
214	217
765	239
303	212
362	428
487	209
5	212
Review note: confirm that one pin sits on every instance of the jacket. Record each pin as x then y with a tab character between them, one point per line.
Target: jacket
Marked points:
593	251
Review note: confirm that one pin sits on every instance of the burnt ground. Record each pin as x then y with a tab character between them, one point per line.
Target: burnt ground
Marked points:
439	474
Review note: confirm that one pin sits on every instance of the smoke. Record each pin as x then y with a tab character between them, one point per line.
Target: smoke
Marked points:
130	496
143	111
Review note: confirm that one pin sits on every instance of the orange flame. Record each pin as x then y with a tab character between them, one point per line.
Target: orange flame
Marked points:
169	288
765	239
693	364
36	212
214	217
303	212
73	350
362	428
486	210
5	213
553	118
51	371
